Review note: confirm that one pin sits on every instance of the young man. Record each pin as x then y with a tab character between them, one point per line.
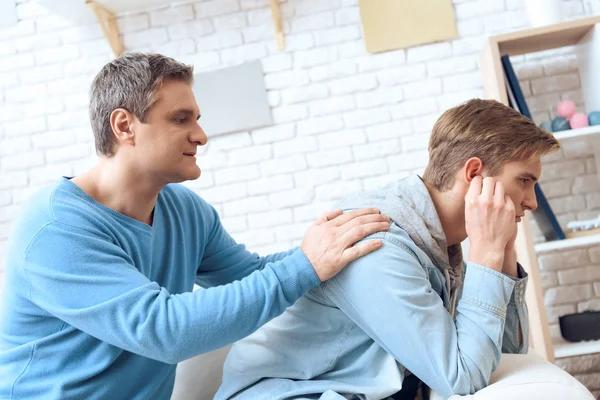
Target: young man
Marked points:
98	301
414	307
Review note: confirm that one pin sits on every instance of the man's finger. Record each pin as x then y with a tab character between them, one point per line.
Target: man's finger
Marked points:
361	249
363	220
328	216
360	232
353	214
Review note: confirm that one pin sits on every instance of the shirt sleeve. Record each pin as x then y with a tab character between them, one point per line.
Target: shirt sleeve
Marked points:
516	330
91	283
388	294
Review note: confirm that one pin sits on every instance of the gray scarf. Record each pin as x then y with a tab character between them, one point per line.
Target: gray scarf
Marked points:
408	203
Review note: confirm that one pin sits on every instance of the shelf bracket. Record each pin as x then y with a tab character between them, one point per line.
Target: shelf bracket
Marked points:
108	24
277	25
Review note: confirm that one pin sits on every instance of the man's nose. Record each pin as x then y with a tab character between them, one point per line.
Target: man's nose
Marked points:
199	136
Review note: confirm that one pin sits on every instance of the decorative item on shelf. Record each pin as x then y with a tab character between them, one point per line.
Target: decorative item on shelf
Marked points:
560	124
566	109
594	118
592	7
580	326
587	227
579	120
569	118
544	12
546	125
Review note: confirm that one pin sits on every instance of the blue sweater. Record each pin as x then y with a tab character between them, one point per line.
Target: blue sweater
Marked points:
98	305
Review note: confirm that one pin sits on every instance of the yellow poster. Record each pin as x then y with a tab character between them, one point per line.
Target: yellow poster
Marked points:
398	24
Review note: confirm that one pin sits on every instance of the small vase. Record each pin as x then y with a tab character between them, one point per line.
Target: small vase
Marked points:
544	12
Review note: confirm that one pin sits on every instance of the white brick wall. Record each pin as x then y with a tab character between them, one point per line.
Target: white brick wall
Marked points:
344	119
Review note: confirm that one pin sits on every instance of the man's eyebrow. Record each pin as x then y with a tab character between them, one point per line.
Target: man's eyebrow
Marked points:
187	112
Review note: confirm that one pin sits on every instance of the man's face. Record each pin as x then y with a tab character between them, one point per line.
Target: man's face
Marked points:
518	178
166	143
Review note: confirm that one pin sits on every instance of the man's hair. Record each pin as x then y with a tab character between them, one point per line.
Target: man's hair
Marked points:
486	129
130	81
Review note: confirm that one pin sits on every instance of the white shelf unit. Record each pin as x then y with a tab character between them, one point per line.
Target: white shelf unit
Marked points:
572	243
567	349
587	132
562	348
584	34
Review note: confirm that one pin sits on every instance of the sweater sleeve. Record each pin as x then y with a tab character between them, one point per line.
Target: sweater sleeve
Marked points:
224	260
91	283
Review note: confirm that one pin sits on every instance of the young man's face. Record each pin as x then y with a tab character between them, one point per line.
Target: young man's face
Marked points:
519	178
166	143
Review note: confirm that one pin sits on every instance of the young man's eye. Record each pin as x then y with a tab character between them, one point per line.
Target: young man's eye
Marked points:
524	180
180	120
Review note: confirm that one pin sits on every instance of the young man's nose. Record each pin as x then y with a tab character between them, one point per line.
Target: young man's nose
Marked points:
530	203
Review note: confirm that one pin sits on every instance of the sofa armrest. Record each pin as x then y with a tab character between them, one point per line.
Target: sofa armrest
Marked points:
528	376
199	378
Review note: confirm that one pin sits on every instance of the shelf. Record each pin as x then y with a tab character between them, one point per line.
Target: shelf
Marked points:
106	11
545	38
573	243
576	133
567	349
584	35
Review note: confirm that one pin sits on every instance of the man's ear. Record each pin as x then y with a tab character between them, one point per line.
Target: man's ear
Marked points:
121	122
472	168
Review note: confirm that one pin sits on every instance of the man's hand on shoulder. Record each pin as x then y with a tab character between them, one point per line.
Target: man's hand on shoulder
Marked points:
329	242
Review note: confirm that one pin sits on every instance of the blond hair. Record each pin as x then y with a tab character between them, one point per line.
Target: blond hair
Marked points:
485	129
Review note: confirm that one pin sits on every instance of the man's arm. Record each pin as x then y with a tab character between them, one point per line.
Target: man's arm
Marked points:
84	279
224	261
91	284
389	296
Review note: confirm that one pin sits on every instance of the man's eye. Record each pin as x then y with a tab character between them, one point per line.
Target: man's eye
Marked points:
180	120
524	180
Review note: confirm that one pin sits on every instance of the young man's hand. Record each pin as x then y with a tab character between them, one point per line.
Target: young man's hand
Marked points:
328	243
490	222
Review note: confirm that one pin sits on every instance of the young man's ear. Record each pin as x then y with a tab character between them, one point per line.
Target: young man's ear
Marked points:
472	168
121	122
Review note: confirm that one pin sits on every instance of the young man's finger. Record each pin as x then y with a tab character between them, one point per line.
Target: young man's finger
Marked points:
474	189
499	193
509	203
487	190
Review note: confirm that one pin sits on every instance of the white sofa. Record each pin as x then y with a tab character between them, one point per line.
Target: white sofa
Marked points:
517	377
